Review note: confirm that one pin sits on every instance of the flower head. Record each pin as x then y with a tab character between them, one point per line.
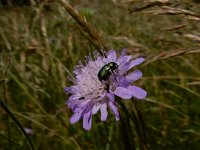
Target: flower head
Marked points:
97	83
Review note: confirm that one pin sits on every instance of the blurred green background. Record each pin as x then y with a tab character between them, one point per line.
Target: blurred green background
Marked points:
40	43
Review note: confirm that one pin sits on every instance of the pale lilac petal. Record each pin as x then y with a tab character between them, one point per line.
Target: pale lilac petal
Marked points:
138	92
124	67
102	95
88	107
28	130
111	97
123	58
104	112
123	92
87	121
114	110
120	60
75	117
136	62
79	104
72	103
123	52
122	81
111	56
67	89
72	99
96	108
77	109
135	75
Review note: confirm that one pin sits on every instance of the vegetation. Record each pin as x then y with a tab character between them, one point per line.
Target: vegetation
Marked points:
40	42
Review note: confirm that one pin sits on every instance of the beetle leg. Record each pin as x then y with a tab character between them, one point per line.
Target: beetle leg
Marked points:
114	75
107	87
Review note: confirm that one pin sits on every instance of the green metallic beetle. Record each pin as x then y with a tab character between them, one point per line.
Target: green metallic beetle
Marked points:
106	71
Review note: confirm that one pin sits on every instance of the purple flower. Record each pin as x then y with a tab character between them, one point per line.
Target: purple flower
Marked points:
89	94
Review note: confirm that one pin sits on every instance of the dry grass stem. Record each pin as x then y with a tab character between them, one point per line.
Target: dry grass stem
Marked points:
170	54
91	34
167	10
142	6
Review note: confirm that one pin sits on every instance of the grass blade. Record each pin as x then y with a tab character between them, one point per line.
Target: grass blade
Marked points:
8	111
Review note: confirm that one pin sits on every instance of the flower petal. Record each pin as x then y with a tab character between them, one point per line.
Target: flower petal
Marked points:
88	107
111	55
79	103
72	103
72	98
138	92
75	117
123	92
123	57
124	67
111	97
87	120
122	82
67	89
135	75
104	112
77	109
114	110
96	108
136	62
123	52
